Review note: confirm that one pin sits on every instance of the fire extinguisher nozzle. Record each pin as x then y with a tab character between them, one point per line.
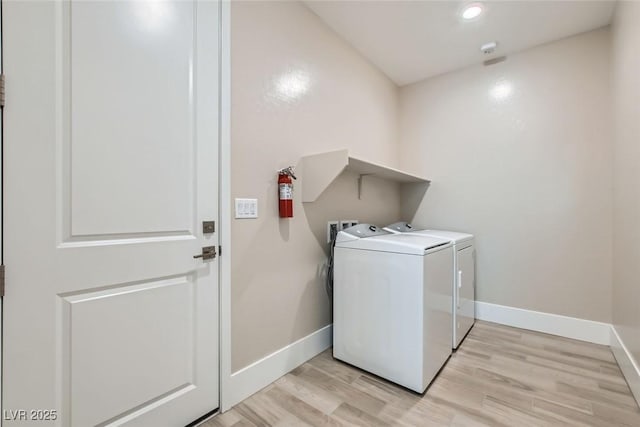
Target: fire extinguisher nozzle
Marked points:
288	171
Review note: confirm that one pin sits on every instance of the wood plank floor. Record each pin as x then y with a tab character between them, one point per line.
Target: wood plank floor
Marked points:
500	376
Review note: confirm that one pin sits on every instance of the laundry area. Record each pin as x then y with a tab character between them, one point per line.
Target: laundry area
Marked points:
454	254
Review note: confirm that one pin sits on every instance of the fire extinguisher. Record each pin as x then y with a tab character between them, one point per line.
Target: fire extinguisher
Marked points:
285	190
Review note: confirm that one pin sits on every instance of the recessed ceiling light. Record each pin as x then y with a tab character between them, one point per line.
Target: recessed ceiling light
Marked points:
472	11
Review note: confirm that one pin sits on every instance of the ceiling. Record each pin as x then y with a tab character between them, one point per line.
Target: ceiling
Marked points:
412	40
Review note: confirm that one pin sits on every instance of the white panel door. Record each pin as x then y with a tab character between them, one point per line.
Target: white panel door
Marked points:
111	154
465	293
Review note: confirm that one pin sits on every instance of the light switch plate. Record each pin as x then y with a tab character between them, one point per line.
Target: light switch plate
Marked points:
246	208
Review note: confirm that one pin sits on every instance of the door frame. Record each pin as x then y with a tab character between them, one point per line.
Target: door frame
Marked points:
1	217
224	214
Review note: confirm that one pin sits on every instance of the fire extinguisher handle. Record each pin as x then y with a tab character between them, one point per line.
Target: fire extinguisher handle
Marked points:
287	171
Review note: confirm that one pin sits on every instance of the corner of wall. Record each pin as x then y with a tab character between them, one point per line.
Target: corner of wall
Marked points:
263	372
628	365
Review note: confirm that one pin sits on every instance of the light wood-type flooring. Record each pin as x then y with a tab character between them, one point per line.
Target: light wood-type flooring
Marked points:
500	376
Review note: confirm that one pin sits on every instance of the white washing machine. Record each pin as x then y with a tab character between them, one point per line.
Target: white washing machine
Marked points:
392	302
464	276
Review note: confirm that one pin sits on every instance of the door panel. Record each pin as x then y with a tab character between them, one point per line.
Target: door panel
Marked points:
465	316
108	318
109	331
142	75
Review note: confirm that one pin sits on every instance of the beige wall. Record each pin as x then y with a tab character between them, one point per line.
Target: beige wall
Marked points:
626	94
520	155
279	50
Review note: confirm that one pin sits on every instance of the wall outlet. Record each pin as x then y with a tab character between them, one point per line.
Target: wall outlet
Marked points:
246	208
332	230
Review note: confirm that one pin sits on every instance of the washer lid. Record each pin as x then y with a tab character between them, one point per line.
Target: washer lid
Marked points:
452	236
407	243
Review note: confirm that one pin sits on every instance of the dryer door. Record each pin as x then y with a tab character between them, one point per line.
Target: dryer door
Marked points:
465	293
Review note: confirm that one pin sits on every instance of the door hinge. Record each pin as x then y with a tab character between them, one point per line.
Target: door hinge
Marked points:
2	280
219	250
1	90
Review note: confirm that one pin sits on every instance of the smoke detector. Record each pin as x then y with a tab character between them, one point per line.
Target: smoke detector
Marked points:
489	48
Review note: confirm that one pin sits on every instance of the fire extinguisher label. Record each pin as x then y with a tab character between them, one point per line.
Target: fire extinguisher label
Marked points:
286	191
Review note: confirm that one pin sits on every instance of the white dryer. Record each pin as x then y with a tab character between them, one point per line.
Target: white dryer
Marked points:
392	300
464	276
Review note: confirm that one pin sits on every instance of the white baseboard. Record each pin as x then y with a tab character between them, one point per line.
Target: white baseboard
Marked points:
260	374
628	365
564	326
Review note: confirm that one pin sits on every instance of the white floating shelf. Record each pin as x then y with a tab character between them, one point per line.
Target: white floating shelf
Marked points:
320	170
